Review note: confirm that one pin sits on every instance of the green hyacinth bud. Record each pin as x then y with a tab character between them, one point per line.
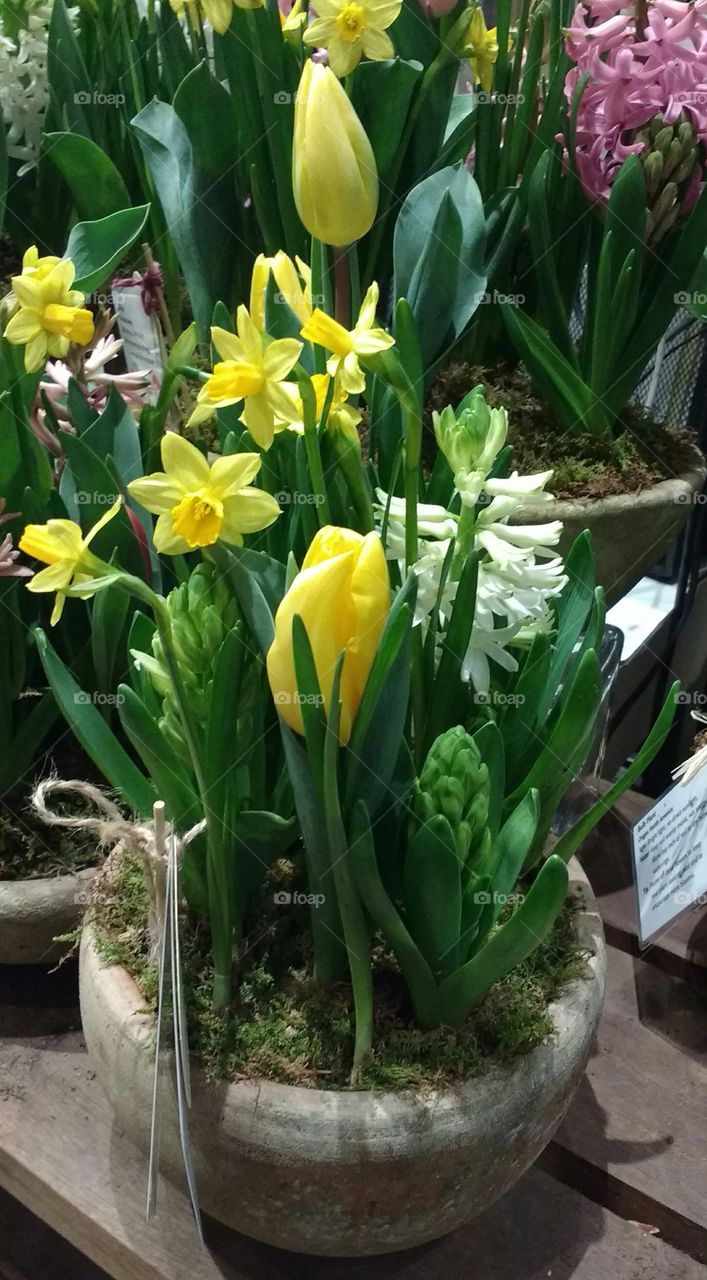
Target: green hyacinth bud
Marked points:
454	782
471	441
669	161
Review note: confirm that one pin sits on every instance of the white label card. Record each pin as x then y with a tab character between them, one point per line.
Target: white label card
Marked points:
670	856
142	346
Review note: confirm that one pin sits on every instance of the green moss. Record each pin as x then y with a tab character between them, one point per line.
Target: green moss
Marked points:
638	454
29	849
285	1027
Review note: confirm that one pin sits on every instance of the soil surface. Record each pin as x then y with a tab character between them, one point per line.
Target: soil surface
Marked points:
643	454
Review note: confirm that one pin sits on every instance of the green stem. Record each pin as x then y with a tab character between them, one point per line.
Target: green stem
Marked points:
353	918
221	911
311	444
342	293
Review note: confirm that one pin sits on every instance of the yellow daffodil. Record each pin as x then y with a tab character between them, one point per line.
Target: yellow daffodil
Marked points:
252	369
342	595
342	415
343	419
334	174
294	286
347	345
295	19
217	12
352	29
61	545
481	49
49	314
198	504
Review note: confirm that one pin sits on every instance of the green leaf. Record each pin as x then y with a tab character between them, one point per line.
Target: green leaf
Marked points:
529	925
382	911
171	780
444	702
97	247
96	185
439	251
569	843
393	82
565	390
545	257
93	733
432	893
311	700
109	613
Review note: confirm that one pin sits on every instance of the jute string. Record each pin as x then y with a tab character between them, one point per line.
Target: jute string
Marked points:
117	834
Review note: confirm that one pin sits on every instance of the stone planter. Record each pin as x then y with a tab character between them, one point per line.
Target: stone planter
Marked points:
348	1173
35	912
630	531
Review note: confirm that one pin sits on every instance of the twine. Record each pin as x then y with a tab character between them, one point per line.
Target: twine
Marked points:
118	833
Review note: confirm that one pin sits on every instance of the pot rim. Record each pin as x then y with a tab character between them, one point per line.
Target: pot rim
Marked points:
32	885
691	479
385	1108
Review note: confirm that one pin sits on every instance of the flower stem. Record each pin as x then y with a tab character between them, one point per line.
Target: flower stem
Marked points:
342	291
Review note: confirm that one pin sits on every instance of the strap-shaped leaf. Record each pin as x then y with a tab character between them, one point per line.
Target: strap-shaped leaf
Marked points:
432	893
567	846
529	925
93	733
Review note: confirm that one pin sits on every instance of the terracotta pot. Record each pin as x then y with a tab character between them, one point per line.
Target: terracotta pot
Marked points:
348	1173
35	912
630	531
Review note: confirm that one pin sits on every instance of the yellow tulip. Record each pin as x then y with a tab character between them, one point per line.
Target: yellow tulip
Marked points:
334	173
342	595
61	545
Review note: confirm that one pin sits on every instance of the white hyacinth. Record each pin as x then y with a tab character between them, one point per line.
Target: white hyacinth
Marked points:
519	572
24	84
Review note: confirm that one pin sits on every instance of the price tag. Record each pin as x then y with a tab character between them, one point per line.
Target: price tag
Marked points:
142	343
670	856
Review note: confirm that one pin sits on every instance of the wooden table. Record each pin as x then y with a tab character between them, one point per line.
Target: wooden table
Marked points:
620	1194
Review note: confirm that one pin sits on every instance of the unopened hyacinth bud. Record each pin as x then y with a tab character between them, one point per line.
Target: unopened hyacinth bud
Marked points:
454	782
672	167
203	611
471	441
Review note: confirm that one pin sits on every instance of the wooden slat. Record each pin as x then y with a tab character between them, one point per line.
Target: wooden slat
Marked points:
61	1155
30	1250
635	1137
606	858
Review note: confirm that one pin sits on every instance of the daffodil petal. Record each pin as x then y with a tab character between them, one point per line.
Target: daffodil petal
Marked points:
157	493
232	473
258	417
53	578
279	358
23	327
183	462
229	346
167	542
248	512
104	520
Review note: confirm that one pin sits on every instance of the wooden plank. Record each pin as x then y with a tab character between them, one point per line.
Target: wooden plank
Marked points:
61	1155
606	858
635	1138
30	1250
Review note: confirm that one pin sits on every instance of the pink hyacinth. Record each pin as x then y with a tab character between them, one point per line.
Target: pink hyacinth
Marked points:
633	76
9	568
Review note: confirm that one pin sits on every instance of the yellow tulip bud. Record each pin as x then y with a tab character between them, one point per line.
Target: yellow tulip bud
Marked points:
342	595
334	171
